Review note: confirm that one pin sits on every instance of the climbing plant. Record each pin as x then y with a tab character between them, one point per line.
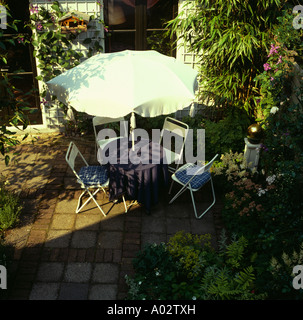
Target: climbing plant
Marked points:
54	50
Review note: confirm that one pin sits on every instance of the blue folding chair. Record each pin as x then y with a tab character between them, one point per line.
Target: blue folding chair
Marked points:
89	177
193	177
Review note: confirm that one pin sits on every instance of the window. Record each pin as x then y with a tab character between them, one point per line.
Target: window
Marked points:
139	24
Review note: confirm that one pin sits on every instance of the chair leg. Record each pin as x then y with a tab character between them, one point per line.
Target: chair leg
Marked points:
178	194
125	206
194	205
91	196
172	170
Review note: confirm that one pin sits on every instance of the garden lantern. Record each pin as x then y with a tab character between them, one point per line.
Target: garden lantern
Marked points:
252	145
254	132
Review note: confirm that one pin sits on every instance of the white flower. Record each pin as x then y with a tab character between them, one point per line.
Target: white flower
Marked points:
261	191
194	298
273	110
271	179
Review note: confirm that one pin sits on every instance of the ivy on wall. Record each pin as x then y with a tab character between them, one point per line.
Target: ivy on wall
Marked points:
54	50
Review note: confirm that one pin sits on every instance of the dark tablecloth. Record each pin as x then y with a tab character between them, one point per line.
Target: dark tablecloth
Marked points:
140	175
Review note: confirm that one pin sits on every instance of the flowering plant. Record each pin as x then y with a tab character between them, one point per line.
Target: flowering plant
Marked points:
55	51
274	85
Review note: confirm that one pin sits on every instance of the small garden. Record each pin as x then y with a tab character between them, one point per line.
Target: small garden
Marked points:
251	60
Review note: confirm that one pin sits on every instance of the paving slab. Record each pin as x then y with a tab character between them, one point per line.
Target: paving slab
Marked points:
63	221
44	291
58	238
110	239
74	291
78	272
84	239
106	273
103	292
50	272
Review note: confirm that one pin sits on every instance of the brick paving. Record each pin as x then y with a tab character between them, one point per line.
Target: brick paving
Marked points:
61	255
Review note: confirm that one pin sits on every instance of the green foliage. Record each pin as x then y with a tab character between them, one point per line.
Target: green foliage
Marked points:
160	41
10	208
228	133
266	206
231	277
55	51
8	101
187	249
230	37
52	48
155	274
187	267
286	33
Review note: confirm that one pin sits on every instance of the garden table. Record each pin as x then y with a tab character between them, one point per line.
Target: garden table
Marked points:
140	174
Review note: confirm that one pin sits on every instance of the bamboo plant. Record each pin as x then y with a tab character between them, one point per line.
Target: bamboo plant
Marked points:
231	39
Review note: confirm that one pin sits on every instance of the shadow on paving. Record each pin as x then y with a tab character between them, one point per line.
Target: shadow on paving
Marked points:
61	255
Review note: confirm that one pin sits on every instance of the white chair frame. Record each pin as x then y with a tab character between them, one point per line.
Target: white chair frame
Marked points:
181	129
187	185
70	158
97	121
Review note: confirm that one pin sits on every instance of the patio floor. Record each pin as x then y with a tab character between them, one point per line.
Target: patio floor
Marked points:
61	255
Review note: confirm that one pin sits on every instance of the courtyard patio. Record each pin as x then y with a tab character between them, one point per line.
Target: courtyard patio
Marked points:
61	255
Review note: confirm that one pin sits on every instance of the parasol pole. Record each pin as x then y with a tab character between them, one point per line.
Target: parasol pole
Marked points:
132	127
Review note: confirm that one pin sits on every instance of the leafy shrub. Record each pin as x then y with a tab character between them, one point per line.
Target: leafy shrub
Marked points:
228	133
10	208
231	277
186	248
187	267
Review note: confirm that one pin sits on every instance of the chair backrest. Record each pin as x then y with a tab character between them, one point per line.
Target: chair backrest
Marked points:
207	166
98	121
175	128
71	155
171	124
210	163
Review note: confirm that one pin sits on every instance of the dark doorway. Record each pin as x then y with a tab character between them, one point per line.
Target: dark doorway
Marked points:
20	67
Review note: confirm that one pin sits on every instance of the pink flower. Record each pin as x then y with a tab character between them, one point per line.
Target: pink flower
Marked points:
266	66
105	29
273	50
39	26
34	9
